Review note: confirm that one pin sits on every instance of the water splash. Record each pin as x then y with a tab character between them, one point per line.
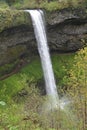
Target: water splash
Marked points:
40	34
53	102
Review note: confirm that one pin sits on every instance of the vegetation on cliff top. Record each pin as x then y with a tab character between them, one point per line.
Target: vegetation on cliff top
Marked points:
47	4
10	17
12	14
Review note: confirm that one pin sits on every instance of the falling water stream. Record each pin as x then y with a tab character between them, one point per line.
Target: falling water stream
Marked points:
38	21
53	102
37	17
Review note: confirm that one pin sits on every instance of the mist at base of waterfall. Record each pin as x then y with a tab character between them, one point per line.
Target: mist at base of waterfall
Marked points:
38	21
59	114
52	104
55	113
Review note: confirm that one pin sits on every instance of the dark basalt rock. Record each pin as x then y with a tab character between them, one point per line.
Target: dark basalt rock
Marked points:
67	37
67	14
66	32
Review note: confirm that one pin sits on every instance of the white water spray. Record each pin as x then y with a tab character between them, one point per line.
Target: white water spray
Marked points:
40	34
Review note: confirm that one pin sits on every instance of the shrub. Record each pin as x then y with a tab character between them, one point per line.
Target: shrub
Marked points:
77	85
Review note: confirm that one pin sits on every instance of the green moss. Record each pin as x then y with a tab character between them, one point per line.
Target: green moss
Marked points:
13	14
12	54
15	51
7	68
11	18
9	87
61	64
51	6
33	72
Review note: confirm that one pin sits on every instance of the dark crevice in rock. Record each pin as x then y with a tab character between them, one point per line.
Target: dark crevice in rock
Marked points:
75	21
66	31
71	27
15	29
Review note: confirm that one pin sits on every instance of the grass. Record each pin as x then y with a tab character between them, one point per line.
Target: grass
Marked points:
24	116
61	64
15	117
59	61
32	73
30	114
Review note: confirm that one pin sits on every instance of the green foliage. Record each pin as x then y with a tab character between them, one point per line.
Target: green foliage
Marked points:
77	85
22	116
50	6
10	18
3	5
77	74
32	115
32	73
28	116
61	64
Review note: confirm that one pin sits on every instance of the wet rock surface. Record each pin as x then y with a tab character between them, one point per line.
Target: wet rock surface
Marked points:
66	32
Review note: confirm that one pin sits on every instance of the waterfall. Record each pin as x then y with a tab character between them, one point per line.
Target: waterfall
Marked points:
53	101
38	21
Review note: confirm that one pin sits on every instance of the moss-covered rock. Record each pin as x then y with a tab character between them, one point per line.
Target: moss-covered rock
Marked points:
66	27
11	18
14	14
6	69
12	53
66	30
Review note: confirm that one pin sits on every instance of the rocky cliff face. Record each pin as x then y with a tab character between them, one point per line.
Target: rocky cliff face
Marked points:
66	31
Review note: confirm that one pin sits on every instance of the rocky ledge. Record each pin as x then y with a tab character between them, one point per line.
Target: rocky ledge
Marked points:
66	31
